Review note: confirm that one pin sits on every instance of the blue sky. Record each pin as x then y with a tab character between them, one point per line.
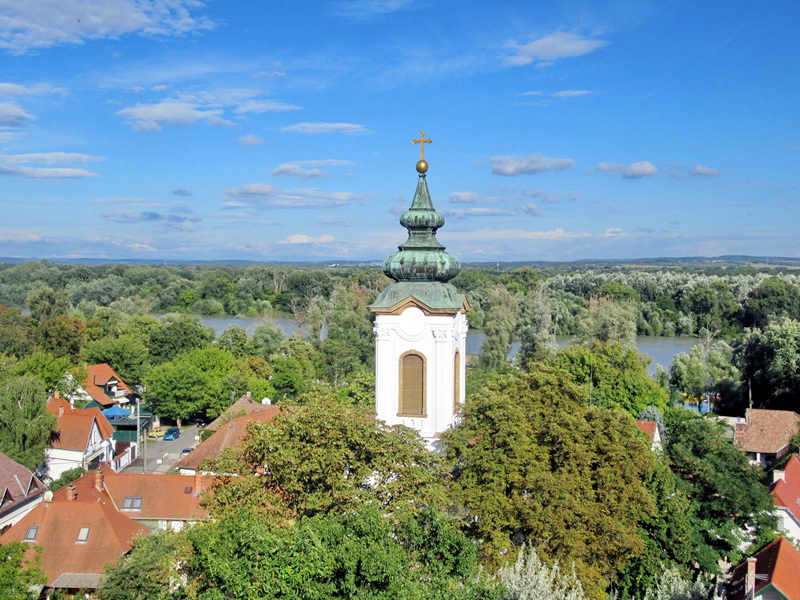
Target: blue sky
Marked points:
282	130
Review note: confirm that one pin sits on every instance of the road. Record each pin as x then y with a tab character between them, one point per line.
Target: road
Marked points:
167	453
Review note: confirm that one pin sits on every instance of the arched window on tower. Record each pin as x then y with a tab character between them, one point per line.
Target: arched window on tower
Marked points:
412	385
456	381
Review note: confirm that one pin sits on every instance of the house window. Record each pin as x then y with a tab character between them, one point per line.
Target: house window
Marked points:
30	535
456	381
132	503
412	385
83	535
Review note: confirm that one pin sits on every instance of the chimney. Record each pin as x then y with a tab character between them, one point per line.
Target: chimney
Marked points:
198	483
72	494
98	480
750	582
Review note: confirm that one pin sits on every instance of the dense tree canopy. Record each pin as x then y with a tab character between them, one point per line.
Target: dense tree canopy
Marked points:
533	463
25	425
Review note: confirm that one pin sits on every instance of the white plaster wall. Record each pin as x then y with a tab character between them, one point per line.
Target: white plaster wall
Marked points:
437	337
788	522
59	460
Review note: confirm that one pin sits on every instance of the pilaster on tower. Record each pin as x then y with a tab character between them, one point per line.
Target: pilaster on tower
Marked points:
420	325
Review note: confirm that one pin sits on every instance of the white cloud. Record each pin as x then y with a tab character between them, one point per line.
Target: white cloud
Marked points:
44	173
295	170
531	93
298	168
263	195
138	247
532	210
8	90
571	93
299	238
528	165
11	115
262	106
464	198
48	158
152	117
614	232
702	171
636	170
552	47
516	234
7	136
30	24
317	128
250	139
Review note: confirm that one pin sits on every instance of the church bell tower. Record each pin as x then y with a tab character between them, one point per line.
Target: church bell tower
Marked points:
420	325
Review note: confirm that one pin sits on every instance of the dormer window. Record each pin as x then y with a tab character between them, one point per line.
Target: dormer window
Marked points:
83	535
30	534
132	503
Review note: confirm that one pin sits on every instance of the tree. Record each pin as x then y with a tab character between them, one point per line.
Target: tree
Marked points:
126	354
235	340
313	463
61	336
15	332
177	334
19	572
729	505
532	463
707	368
774	297
25	424
769	360
530	578
501	320
360	554
177	390
66	478
45	366
149	571
613	375
46	303
267	339
609	321
536	328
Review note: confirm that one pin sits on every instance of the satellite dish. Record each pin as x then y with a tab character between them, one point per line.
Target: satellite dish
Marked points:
48	496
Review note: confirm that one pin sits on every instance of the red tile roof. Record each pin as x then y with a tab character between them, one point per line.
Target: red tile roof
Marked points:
111	533
767	431
17	484
648	427
786	491
75	425
777	563
97	377
164	497
243	406
228	435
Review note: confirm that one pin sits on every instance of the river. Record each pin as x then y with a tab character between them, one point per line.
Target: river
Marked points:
660	349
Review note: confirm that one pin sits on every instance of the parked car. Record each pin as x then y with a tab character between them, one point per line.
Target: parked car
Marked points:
185	451
173	433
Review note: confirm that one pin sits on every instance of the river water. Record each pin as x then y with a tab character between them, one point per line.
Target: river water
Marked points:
660	349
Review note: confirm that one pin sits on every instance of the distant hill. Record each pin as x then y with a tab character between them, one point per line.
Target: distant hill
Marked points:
682	262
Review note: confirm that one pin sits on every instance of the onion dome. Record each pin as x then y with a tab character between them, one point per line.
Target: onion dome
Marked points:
421	257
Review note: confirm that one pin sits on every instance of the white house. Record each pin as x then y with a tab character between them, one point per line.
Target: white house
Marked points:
85	438
21	491
786	493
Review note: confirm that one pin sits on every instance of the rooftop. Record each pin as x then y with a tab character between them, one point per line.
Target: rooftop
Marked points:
778	564
767	431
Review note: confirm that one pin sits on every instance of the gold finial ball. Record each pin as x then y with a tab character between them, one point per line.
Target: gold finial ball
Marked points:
422	166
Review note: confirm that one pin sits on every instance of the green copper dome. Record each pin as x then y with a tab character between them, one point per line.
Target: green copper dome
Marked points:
421	258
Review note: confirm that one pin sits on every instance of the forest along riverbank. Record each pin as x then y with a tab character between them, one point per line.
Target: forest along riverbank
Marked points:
660	349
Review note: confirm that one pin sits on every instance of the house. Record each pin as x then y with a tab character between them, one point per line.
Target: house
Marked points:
102	387
79	531
21	491
786	493
227	436
155	501
243	406
653	432
84	439
765	434
772	574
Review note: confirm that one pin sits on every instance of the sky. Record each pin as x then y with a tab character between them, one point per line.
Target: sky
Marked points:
226	129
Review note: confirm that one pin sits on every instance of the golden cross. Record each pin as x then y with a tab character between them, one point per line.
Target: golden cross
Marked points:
422	141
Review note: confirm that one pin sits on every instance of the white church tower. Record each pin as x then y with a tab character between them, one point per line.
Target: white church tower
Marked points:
420	325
